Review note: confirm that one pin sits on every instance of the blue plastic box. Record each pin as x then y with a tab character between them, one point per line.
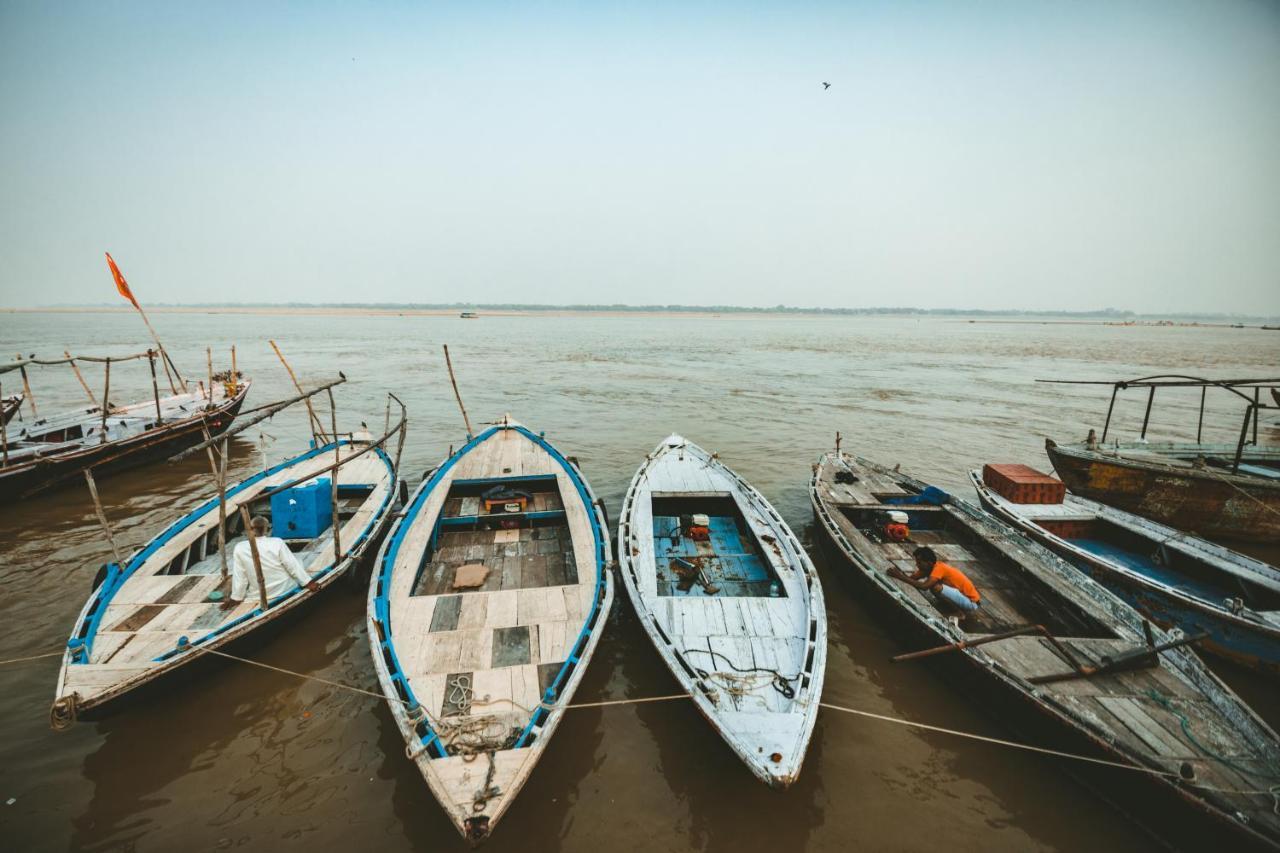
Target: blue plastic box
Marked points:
303	512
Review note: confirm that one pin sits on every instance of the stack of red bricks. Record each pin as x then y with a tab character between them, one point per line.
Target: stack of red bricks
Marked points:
1023	484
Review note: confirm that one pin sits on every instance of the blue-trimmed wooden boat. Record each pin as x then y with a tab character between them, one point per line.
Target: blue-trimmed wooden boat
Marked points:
731	601
477	670
157	613
1175	579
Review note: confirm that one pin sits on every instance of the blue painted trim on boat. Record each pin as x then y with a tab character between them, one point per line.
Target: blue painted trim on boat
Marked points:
381	602
87	631
575	655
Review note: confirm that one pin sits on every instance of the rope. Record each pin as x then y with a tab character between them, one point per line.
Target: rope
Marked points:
63	713
1212	473
781	683
32	657
1163	702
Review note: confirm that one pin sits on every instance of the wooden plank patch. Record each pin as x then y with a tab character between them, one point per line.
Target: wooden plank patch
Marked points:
179	589
139	617
445	615
510	646
547	673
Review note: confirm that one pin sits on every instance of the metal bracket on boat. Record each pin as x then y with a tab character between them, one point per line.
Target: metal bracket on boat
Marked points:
981	641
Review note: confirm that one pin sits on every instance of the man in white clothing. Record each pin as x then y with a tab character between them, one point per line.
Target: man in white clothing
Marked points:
281	570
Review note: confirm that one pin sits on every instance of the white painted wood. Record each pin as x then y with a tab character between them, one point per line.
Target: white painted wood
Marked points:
768	731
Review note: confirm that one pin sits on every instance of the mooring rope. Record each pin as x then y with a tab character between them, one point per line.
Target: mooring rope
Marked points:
32	657
1273	791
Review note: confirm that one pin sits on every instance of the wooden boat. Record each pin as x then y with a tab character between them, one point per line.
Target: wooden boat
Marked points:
1174	579
490	596
1061	658
154	615
1187	486
731	602
49	452
1229	491
9	407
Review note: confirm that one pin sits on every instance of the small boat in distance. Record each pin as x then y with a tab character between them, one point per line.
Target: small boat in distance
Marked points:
1059	657
163	609
469	315
1173	578
1226	491
731	602
49	452
489	598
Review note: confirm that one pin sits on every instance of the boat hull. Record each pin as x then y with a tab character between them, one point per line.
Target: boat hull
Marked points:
1162	808
48	473
1206	502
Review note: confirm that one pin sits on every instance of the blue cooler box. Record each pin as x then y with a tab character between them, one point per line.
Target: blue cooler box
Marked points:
303	512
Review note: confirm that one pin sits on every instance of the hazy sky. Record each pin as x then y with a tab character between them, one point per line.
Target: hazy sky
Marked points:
1027	155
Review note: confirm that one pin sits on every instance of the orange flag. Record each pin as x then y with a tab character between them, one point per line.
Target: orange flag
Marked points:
121	284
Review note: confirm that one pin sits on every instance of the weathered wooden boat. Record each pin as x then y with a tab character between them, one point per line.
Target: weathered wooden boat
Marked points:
9	406
1229	491
49	452
489	598
1174	579
731	602
163	608
1061	658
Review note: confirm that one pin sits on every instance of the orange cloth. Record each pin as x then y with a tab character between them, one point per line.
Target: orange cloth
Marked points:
121	284
953	577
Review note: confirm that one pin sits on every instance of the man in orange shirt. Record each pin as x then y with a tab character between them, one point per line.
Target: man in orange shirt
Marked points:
947	583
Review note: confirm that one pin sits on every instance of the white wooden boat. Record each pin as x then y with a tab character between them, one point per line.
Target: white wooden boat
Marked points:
155	614
51	451
736	614
477	677
1175	579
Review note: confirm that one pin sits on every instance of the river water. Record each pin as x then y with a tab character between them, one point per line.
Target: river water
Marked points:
245	758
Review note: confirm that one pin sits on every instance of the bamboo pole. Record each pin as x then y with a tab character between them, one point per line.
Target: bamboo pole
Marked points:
235	374
155	388
449	363
263	412
85	385
164	362
208	354
26	389
163	353
222	508
4	433
333	481
257	560
102	516
106	395
317	429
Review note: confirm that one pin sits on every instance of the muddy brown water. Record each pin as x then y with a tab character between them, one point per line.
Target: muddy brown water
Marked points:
244	758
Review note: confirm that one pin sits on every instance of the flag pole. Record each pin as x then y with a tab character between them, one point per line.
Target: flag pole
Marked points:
127	293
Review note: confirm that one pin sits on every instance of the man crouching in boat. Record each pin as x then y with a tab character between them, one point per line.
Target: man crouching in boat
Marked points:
947	583
281	571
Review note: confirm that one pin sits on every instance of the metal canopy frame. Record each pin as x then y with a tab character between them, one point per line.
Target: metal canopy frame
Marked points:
1253	404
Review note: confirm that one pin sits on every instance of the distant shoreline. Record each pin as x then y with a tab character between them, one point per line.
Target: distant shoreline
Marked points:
481	312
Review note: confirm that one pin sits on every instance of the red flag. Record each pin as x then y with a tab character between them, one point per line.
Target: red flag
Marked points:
121	284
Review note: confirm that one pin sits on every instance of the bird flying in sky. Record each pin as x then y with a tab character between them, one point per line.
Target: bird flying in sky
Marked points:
825	85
